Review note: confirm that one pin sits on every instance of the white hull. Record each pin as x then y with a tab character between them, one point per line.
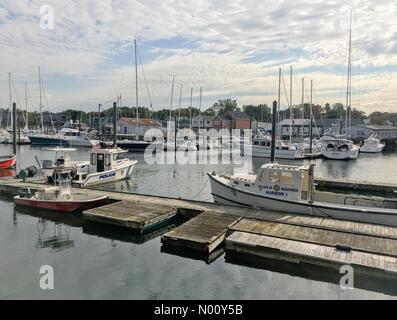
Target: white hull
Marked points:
225	194
81	142
341	155
372	148
120	173
265	152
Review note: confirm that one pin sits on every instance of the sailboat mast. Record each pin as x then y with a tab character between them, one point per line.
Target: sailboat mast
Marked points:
290	107
278	102
40	105
180	102
303	105
10	94
172	94
136	89
348	88
191	105
26	106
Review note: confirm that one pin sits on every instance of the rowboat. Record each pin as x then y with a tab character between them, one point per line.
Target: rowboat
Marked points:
7	162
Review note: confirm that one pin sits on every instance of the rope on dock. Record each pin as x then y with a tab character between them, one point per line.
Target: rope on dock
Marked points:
202	188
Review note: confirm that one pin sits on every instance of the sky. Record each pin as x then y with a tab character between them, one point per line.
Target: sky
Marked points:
232	49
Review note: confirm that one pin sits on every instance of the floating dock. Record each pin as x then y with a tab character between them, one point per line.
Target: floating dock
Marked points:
211	228
322	246
132	215
205	232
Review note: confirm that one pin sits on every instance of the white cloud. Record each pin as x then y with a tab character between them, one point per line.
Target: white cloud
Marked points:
311	35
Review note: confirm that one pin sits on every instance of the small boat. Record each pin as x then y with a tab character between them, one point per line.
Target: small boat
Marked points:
340	149
261	147
289	188
106	165
7	162
59	198
372	145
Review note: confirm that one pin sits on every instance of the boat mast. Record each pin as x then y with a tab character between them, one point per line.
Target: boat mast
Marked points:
348	87
40	105
172	94
180	102
311	117
10	94
191	105
303	105
136	89
290	108
26	107
201	94
278	103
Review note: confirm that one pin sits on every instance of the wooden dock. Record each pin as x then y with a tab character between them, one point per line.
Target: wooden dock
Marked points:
356	186
133	215
205	233
259	233
313	245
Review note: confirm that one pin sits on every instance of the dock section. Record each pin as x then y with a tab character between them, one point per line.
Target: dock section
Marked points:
132	215
312	245
204	233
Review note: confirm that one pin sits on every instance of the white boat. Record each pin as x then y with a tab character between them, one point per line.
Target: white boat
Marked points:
372	145
288	188
183	145
106	165
340	149
261	147
67	136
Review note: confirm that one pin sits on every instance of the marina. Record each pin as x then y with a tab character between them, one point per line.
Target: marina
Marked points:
159	151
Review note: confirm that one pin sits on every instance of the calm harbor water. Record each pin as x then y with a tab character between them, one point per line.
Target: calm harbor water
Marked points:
96	262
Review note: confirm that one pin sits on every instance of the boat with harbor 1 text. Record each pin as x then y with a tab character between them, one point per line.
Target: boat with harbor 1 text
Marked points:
289	188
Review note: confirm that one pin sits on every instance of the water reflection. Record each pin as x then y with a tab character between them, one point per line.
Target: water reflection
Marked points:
55	236
366	280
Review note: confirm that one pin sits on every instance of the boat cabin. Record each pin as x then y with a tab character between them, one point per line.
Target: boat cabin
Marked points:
106	159
279	181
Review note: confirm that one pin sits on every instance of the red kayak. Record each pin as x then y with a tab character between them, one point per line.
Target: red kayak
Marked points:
7	161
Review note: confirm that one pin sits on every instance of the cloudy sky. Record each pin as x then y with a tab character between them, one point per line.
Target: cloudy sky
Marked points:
232	48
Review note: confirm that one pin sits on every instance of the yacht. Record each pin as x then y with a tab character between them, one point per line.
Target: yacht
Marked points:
67	137
261	147
340	149
289	188
372	145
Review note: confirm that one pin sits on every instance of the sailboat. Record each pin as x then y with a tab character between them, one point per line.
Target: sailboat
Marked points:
339	148
67	136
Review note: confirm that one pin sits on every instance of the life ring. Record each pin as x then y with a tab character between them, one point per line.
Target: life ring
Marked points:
276	188
67	197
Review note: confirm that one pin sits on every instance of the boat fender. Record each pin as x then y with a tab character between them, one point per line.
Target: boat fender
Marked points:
341	247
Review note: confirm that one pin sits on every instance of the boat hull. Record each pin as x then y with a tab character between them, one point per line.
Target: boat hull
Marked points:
280	154
372	149
226	194
64	206
341	155
7	163
46	141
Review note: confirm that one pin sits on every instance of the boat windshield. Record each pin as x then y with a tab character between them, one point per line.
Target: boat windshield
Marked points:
118	156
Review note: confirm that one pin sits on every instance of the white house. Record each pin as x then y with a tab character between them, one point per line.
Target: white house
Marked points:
132	127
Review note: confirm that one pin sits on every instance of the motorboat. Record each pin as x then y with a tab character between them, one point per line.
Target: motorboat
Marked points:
8	161
106	165
59	198
372	145
340	149
262	144
66	137
289	188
